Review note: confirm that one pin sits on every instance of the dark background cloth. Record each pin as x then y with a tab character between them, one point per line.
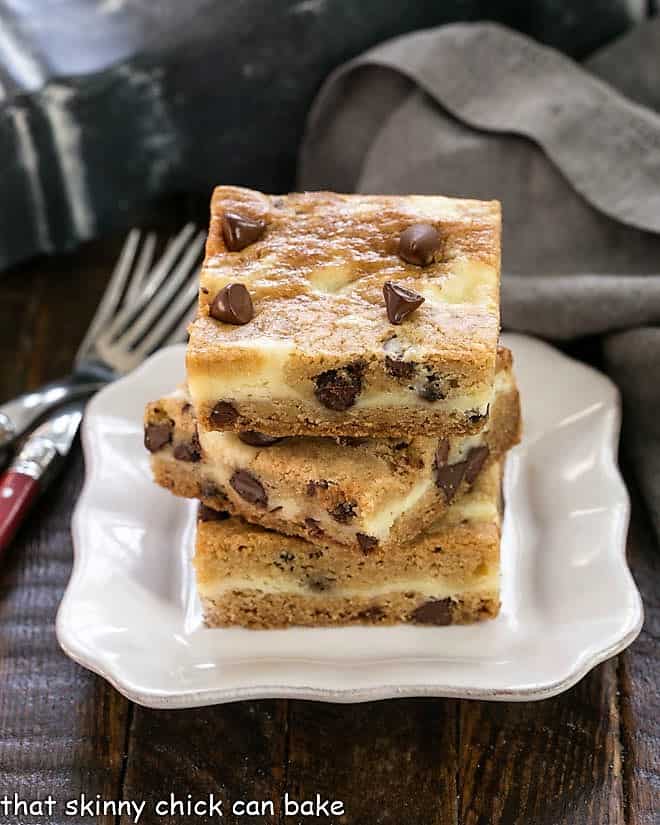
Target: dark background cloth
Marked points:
105	104
478	111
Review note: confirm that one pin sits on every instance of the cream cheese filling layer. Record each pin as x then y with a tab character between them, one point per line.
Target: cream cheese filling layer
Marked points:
474	511
380	523
477	401
437	587
266	380
267	385
480	400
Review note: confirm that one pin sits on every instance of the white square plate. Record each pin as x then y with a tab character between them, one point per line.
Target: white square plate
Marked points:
130	612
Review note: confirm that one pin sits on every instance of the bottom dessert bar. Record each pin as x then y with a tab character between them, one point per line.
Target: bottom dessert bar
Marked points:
253	577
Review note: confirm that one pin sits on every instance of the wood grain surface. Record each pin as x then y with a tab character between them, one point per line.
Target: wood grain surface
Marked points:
587	757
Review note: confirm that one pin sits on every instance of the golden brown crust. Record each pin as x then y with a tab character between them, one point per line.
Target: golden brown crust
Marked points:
330	226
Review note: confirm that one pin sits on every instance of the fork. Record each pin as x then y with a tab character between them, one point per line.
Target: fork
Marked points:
144	307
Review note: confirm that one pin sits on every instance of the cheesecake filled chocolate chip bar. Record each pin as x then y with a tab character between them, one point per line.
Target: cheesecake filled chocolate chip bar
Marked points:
358	492
324	314
346	411
257	578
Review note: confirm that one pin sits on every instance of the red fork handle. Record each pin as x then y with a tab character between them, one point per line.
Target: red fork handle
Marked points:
17	492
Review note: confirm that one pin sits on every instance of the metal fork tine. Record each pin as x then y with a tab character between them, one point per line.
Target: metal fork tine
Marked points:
153	281
160	332
165	264
113	292
142	268
155	308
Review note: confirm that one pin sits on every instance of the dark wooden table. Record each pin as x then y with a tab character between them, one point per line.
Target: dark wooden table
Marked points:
588	756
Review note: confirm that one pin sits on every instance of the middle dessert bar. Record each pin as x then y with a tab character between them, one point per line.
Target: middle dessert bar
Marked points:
361	493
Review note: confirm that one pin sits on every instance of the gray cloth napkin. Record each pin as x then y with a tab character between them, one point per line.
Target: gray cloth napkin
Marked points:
573	153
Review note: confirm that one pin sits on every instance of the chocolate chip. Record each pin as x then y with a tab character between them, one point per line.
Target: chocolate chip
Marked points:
156	436
344	511
249	488
189	450
287	557
239	231
312	486
433	388
419	243
367	543
435	611
448	478
255	439
442	452
320	583
474	416
338	389
205	513
400	302
398	368
429	392
314	528
474	462
232	305
223	414
350	441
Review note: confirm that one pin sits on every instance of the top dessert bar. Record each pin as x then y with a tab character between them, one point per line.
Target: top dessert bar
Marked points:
330	314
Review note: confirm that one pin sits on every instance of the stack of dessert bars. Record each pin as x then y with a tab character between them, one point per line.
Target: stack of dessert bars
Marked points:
346	413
